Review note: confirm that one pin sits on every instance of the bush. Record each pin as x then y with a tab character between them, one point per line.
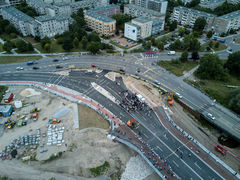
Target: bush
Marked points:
100	169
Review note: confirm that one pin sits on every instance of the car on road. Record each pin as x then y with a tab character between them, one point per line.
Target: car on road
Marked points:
55	60
19	68
93	65
59	67
229	50
35	68
65	58
157	82
171	53
211	116
122	70
178	95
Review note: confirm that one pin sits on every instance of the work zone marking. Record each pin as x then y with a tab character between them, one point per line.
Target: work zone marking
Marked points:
197	165
159	148
145	135
174	152
175	163
147	71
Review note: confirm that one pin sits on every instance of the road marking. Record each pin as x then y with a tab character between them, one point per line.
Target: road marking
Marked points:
197	165
147	71
175	163
145	135
165	135
159	148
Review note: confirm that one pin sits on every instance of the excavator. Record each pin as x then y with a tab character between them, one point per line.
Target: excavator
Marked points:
35	110
170	98
133	123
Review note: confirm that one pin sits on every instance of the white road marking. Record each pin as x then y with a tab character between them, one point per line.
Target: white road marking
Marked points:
145	135
197	165
175	163
159	148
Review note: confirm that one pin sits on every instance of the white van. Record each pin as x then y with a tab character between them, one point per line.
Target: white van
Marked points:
171	53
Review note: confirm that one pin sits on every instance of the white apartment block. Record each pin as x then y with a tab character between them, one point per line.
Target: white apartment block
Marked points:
58	1
87	4
211	4
227	22
233	1
132	31
158	5
40	26
59	9
187	17
137	11
12	2
146	26
38	5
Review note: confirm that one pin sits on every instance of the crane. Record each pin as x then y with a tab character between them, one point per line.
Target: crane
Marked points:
170	99
133	123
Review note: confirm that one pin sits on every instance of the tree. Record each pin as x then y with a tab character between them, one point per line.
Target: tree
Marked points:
199	24
94	37
8	46
121	19
148	45
48	47
44	41
84	42
94	47
10	29
194	45
211	67
193	3
30	47
177	45
22	45
234	101
67	44
217	44
122	7
181	31
233	63
173	25
159	44
153	41
60	40
184	57
209	34
13	35
75	42
210	44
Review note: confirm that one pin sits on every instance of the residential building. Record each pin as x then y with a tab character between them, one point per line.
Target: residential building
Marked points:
137	11
59	9
13	2
132	31
187	17
6	110
3	5
87	4
211	4
50	26
146	26
157	26
99	19
158	5
58	1
233	1
225	23
38	5
40	26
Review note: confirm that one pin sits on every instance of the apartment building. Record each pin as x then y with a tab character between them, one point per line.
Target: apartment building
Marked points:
233	1
99	19
40	26
132	31
211	4
87	4
142	27
158	5
12	2
38	5
59	9
186	16
225	23
58	1
137	11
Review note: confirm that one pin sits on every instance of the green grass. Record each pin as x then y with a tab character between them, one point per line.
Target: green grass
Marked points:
55	47
237	41
220	48
6	37
2	91
26	52
217	89
30	39
177	68
17	59
1	47
100	169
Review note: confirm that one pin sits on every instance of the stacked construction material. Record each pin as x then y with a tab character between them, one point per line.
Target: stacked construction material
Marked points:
55	135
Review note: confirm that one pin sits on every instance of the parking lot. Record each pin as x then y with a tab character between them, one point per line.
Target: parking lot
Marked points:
123	42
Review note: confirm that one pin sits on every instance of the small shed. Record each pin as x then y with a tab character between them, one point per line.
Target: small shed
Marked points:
6	110
18	104
8	97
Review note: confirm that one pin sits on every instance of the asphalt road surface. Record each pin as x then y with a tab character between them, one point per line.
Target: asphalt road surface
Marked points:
184	162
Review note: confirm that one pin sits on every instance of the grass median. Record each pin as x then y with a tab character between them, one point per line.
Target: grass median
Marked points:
177	67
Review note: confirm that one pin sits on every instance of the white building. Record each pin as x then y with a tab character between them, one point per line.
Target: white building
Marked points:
158	5
38	5
146	26
211	4
87	4
132	31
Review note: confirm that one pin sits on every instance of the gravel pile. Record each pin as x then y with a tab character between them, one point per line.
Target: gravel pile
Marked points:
136	169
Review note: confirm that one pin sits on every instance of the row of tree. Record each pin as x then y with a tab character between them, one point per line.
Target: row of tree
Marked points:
21	45
6	27
23	6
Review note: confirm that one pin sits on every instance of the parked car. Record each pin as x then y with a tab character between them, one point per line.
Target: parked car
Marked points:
36	68
93	65
211	116
157	82
59	67
122	70
19	68
55	60
178	95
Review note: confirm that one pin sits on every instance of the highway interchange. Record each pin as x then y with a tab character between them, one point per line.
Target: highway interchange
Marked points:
192	166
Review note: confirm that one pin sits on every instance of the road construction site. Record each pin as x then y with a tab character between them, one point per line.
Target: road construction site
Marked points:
89	143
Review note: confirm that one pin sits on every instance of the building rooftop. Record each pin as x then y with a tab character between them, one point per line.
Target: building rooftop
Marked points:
231	15
59	4
154	13
104	8
131	24
142	19
5	108
45	18
195	11
100	17
18	14
211	2
39	3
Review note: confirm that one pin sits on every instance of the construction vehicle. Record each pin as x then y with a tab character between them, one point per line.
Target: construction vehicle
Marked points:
10	124
133	123
170	98
35	110
20	123
54	121
223	151
35	116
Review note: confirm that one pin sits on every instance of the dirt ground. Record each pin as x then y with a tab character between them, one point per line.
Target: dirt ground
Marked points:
123	41
83	149
188	122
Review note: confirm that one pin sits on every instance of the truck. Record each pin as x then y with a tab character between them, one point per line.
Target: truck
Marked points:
54	121
171	53
30	63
